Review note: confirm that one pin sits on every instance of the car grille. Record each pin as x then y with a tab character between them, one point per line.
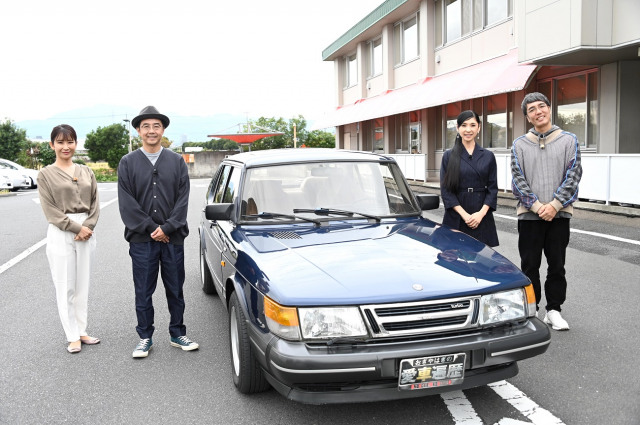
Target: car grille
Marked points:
388	320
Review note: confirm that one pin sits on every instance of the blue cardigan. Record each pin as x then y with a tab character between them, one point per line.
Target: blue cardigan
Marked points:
150	196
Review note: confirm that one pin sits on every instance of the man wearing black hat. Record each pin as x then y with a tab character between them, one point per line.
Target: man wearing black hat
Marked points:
153	194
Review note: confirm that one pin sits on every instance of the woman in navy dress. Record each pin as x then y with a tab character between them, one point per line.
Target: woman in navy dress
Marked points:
468	183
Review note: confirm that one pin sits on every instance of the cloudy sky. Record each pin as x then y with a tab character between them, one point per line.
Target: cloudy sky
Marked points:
199	57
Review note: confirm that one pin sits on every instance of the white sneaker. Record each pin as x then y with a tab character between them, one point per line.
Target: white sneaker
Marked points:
555	320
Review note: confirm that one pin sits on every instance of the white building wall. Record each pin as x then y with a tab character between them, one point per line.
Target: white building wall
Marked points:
488	44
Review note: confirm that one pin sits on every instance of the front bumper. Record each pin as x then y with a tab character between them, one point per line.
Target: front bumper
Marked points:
319	374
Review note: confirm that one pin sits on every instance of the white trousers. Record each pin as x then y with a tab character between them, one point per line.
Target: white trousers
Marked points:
71	263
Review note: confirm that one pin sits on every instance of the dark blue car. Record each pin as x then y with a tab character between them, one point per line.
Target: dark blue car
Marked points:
338	290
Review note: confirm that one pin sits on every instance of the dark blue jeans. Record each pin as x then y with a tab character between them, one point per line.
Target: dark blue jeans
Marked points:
147	259
552	238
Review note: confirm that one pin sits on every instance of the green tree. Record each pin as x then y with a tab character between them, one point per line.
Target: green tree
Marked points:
166	143
13	140
265	125
109	144
229	145
320	139
44	154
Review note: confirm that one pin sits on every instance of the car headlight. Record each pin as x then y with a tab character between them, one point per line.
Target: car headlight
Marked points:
331	322
503	307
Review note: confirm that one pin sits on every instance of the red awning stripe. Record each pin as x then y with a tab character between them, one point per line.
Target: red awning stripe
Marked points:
500	75
245	138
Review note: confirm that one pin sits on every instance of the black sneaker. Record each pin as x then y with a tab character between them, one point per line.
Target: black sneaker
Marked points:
143	348
183	342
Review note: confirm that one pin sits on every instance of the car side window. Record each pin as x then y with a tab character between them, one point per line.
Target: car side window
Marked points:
231	191
221	183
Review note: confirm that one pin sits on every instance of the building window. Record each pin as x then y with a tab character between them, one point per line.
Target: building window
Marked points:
415	144
571	101
457	18
453	20
574	104
495	126
374	135
351	71
451	116
497	10
593	112
401	128
375	58
405	36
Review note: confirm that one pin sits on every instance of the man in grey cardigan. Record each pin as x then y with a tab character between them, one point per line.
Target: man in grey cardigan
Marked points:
153	195
546	171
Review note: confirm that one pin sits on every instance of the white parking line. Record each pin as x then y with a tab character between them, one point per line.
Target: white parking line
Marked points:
536	414
463	412
24	254
584	232
461	409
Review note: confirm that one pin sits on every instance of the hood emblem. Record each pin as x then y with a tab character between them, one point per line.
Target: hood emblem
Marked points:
417	287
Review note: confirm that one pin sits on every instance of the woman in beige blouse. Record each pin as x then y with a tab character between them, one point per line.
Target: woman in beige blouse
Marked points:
69	199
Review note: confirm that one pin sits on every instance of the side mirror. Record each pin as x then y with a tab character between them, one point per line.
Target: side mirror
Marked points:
219	212
428	201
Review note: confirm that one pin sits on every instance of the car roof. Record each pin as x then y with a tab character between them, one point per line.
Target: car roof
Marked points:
288	156
10	162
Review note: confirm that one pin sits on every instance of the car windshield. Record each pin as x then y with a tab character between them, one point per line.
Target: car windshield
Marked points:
327	189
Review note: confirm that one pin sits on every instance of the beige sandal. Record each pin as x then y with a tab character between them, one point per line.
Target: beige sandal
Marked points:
74	350
89	340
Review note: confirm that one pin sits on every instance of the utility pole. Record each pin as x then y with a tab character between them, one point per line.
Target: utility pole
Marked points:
129	130
295	138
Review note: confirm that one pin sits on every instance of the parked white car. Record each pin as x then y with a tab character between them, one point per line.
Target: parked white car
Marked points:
5	183
28	172
18	180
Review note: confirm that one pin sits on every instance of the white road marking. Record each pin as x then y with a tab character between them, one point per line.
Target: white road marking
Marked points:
24	254
461	409
536	414
584	232
463	412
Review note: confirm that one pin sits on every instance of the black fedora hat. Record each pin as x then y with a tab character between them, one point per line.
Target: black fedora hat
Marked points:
150	112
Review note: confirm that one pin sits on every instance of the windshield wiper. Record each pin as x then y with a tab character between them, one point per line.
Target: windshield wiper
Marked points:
268	215
331	211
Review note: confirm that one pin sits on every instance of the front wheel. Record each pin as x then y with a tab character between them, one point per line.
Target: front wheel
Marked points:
247	373
205	274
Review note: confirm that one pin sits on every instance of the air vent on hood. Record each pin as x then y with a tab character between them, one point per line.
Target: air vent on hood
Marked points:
285	235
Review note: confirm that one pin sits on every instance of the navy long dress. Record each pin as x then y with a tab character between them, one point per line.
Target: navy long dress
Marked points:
478	172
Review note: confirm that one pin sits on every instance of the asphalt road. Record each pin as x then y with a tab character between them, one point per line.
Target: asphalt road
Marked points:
588	375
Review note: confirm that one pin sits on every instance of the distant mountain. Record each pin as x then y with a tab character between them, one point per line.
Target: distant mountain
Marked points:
85	120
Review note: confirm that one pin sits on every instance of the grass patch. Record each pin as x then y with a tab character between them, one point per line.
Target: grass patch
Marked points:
105	174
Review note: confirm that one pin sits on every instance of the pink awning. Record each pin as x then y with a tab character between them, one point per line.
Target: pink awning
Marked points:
500	75
245	138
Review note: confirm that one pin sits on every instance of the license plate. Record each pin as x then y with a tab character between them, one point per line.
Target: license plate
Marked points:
431	372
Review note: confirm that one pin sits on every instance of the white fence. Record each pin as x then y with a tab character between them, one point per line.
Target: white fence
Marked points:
608	178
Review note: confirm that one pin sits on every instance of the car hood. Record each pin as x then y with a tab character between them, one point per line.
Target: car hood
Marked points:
404	260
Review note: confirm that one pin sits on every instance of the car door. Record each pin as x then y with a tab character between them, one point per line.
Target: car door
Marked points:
219	244
211	239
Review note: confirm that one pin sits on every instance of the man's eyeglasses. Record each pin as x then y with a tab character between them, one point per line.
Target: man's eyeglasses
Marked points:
149	127
540	107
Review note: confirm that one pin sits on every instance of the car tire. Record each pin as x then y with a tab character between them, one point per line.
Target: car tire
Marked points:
34	185
205	274
247	374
